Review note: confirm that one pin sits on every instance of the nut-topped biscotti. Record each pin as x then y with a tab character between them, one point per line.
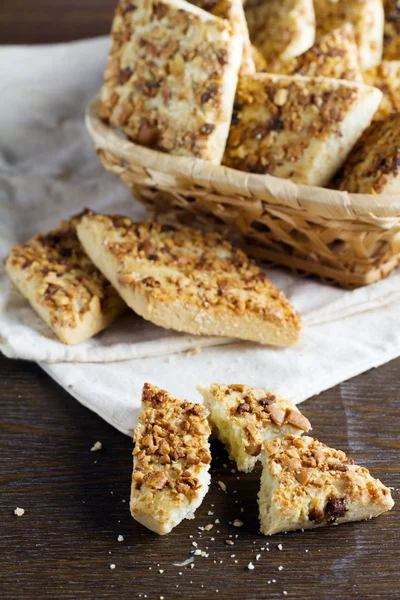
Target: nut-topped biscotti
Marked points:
306	484
232	10
373	166
367	19
171	460
182	279
243	418
62	284
386	77
391	39
171	77
281	29
334	55
299	128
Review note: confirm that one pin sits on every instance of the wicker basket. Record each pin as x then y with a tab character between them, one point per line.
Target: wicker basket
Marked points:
350	239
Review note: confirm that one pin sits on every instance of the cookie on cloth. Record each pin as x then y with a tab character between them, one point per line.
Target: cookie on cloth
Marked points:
243	418
171	77
185	280
62	284
306	484
297	128
171	460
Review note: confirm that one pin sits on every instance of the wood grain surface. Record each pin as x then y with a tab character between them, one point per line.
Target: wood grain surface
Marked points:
76	505
76	501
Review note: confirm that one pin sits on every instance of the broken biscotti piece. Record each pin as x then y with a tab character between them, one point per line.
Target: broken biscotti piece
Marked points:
62	284
299	128
391	39
171	60
334	55
185	280
281	28
171	460
386	77
367	19
232	11
243	418
305	484
373	167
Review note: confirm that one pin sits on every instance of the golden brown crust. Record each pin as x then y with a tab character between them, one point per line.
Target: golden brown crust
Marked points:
169	59
282	125
62	284
386	77
200	277
373	167
334	55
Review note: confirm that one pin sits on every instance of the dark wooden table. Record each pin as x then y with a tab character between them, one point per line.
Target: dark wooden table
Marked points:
76	501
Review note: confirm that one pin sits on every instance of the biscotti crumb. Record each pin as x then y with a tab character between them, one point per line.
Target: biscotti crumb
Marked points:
97	446
19	512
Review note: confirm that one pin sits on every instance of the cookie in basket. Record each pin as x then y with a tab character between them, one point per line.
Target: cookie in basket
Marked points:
232	10
281	28
63	286
298	128
333	55
391	49
367	18
171	77
306	484
171	460
185	280
386	77
373	167
243	418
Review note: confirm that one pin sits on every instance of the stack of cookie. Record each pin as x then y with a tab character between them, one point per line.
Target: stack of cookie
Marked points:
304	483
285	88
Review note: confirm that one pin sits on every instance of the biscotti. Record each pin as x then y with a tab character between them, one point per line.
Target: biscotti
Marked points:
243	418
171	77
306	484
62	284
171	460
182	279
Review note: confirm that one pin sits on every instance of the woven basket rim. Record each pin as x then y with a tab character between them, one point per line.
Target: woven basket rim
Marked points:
381	209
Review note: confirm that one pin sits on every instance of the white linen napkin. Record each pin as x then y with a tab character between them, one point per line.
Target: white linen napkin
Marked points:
49	171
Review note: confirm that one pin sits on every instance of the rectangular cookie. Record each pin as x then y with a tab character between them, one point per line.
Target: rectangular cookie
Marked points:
232	11
367	18
171	77
373	167
281	29
62	284
171	460
334	55
306	484
386	77
182	279
391	40
243	418
298	128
